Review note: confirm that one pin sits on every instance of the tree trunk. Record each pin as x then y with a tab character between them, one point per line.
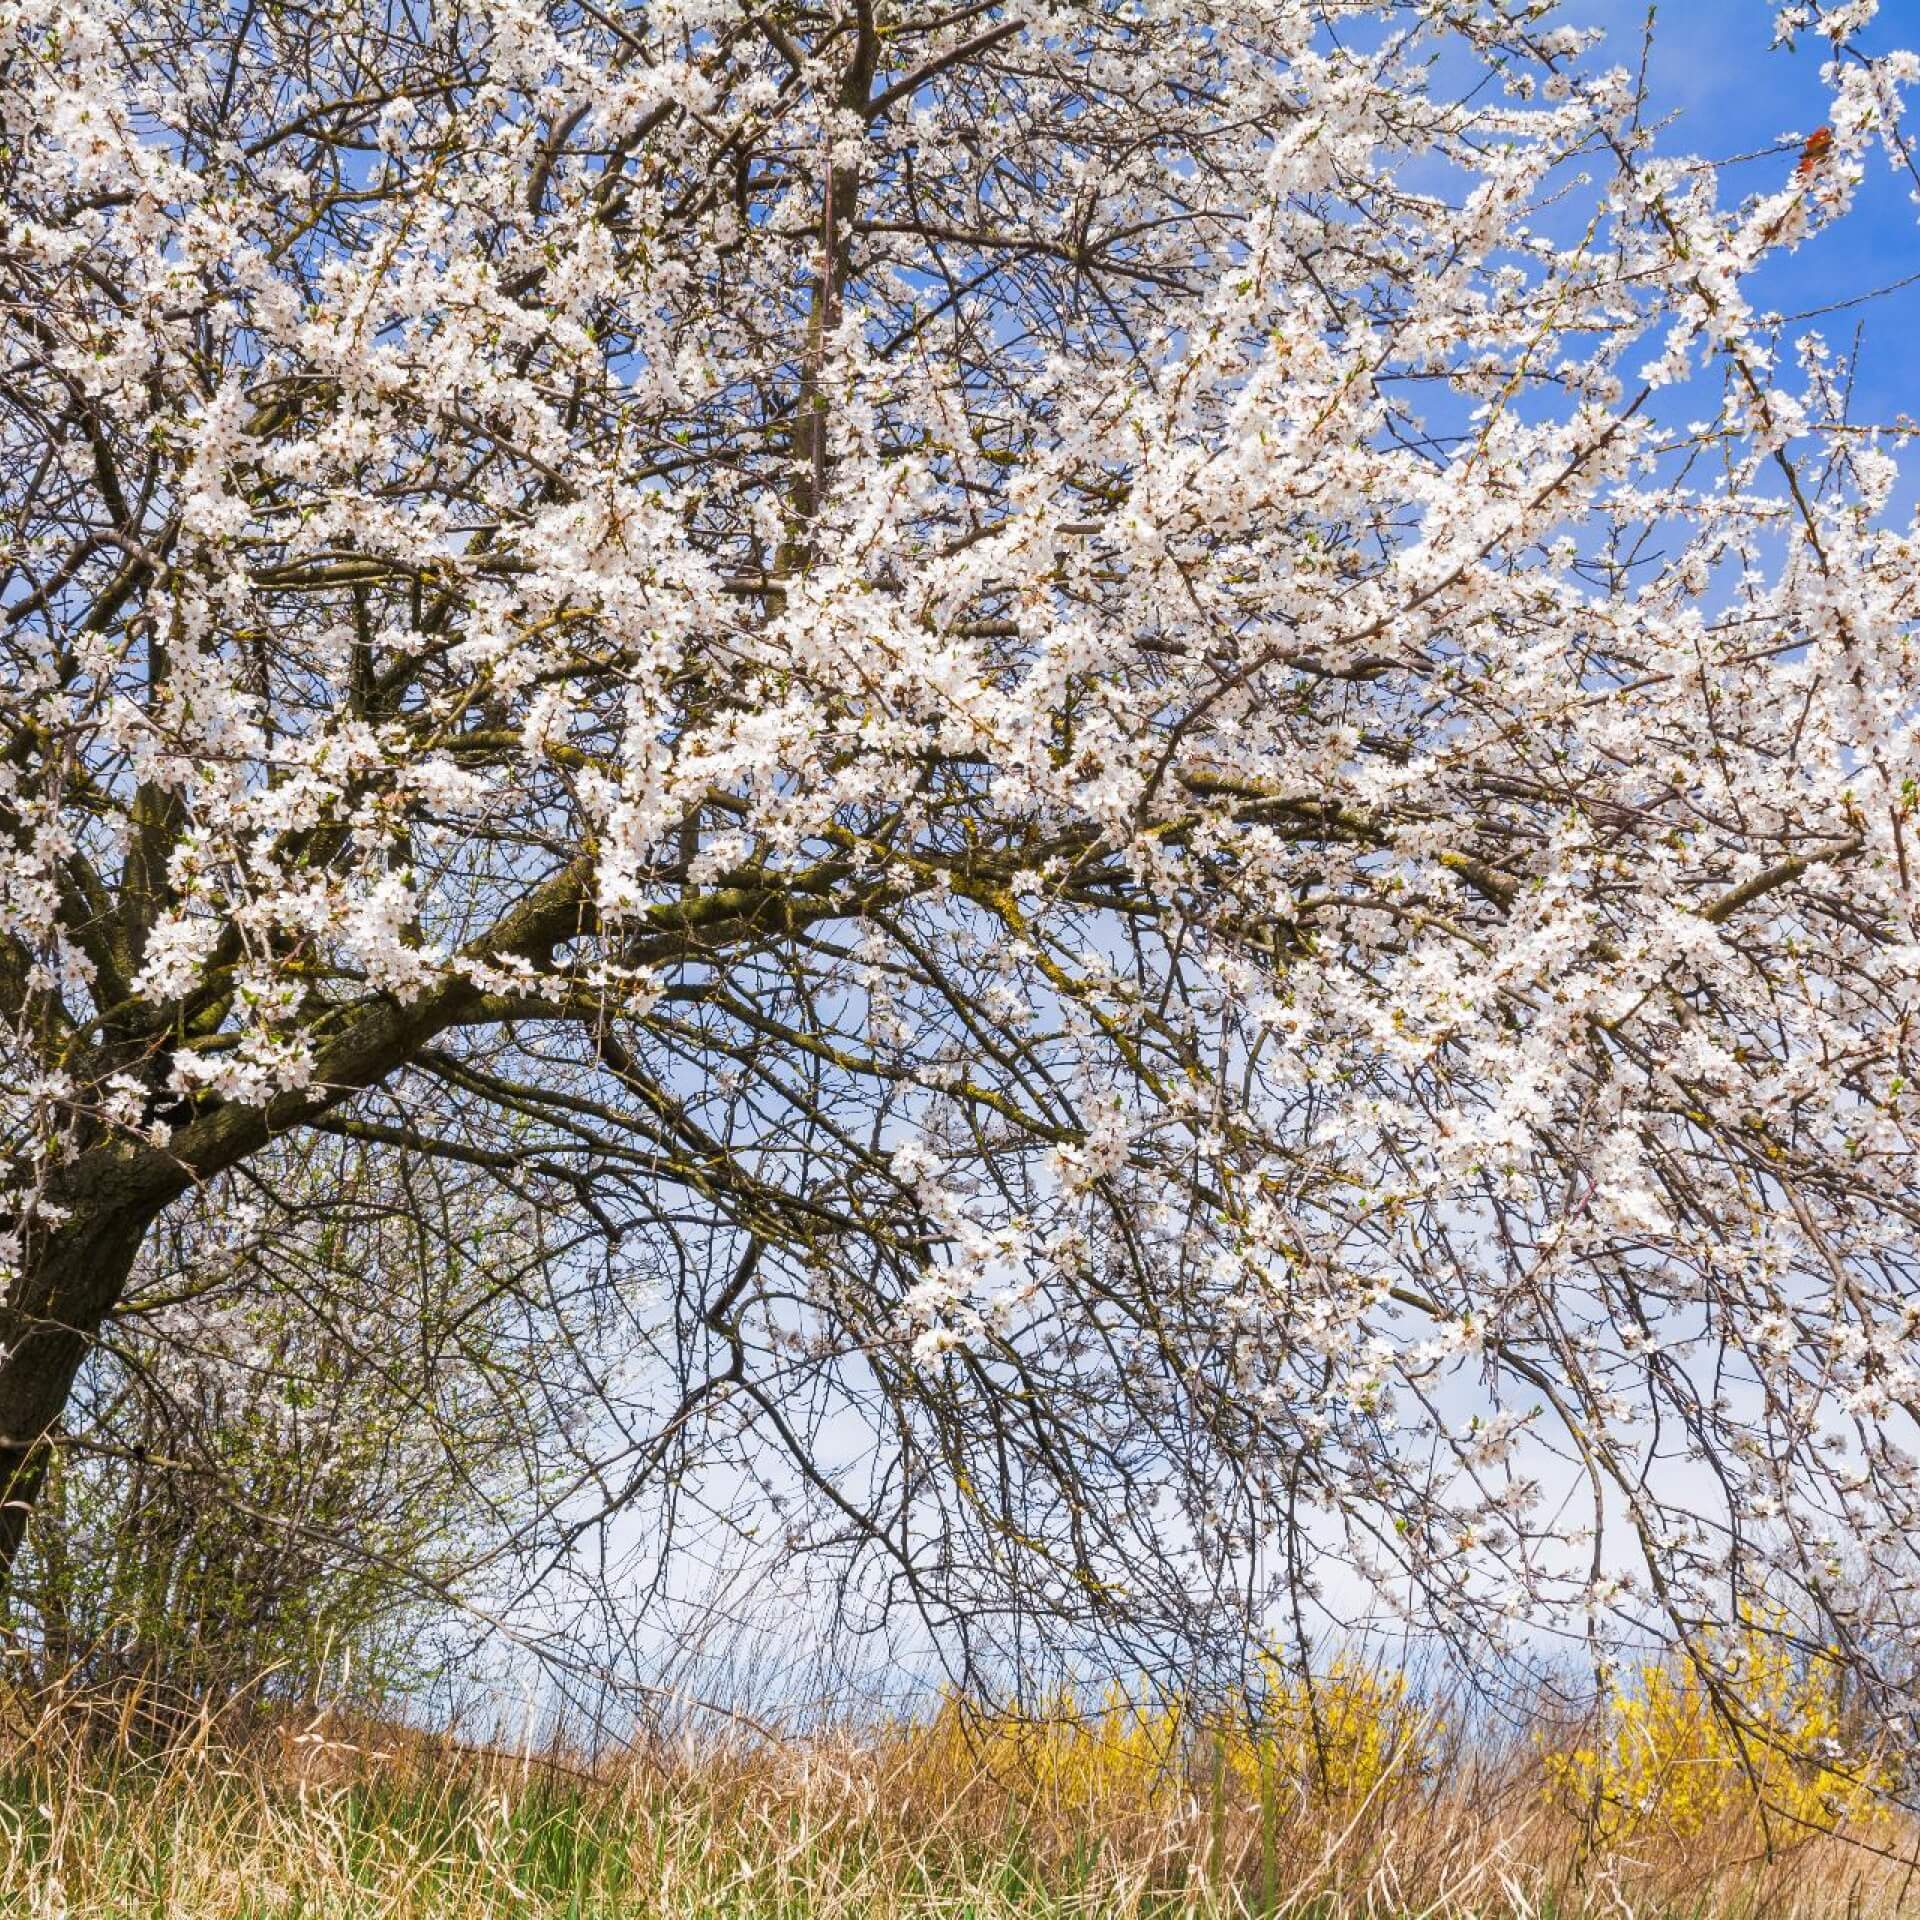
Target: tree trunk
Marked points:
72	1279
72	1275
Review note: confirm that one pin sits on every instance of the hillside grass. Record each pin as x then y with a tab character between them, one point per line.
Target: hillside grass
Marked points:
1362	1802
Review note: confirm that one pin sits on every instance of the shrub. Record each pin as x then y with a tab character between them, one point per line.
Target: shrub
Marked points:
1743	1728
1345	1735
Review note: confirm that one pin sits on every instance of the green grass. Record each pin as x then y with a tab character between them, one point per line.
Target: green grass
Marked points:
890	1826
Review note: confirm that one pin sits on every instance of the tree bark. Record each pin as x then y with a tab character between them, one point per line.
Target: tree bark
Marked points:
73	1274
73	1278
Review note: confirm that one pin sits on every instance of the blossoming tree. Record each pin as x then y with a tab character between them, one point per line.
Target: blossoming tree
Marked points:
1160	743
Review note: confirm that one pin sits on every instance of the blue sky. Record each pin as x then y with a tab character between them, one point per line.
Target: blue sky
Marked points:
1711	68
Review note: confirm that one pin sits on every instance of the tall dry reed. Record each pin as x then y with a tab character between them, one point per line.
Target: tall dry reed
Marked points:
1360	1802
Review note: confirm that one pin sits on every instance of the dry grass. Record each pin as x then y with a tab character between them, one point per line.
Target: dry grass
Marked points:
1357	1803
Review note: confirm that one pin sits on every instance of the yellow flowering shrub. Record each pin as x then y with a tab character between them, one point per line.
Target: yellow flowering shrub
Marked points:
1343	1737
1119	1751
1662	1757
1350	1733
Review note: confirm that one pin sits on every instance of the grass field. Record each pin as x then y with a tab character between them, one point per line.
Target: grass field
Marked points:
1368	1805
